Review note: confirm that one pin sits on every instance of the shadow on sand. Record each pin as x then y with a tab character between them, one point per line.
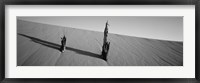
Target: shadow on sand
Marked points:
57	46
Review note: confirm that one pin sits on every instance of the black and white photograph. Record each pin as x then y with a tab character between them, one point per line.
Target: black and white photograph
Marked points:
99	40
104	41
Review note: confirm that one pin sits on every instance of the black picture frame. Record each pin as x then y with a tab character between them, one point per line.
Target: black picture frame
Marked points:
99	2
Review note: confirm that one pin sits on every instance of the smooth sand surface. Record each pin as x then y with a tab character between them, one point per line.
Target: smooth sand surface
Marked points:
38	45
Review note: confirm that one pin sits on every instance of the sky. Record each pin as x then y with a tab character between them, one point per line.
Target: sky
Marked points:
154	27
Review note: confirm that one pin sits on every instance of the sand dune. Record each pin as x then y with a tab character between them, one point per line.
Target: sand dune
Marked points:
38	45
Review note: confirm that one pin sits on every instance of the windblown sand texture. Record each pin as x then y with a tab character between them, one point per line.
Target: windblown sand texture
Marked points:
38	45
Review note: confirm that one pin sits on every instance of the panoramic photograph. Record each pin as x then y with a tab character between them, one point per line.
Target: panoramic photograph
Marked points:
99	41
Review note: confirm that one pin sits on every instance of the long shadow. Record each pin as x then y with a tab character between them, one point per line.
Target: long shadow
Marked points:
57	46
42	42
84	52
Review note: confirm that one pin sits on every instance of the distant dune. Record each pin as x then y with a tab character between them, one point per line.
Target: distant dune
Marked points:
38	44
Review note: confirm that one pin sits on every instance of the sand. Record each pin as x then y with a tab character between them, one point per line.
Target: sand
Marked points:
38	45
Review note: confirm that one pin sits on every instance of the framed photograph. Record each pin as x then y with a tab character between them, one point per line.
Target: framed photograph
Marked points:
103	41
